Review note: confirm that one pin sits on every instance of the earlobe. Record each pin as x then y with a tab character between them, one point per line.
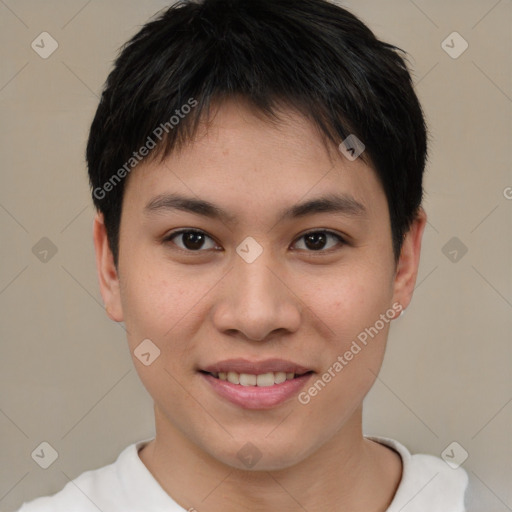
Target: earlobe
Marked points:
107	273
408	264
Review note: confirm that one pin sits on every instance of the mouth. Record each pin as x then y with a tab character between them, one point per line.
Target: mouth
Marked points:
266	379
255	385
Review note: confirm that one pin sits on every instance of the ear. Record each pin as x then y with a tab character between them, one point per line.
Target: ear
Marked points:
407	268
107	272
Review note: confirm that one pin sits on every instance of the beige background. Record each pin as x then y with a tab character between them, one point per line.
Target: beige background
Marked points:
66	376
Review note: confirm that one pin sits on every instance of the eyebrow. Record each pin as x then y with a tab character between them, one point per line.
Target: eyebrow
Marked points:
343	204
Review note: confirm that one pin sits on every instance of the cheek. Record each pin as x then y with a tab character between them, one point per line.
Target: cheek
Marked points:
164	306
348	311
152	295
159	307
348	301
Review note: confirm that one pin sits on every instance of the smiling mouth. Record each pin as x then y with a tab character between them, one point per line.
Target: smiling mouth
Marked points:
260	380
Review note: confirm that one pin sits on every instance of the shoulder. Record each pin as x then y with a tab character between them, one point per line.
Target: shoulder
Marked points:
91	491
78	495
428	482
437	482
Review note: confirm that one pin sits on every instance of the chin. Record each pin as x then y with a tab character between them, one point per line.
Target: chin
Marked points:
259	454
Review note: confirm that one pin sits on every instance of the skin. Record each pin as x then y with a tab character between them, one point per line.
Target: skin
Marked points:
292	302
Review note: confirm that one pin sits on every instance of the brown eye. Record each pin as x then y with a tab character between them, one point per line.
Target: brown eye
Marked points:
191	239
317	240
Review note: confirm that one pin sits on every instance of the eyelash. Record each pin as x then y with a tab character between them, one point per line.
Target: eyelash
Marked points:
174	234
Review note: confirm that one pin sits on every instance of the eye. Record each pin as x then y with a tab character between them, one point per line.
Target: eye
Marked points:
192	239
315	241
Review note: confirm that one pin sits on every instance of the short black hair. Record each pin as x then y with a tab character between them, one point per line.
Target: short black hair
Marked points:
309	55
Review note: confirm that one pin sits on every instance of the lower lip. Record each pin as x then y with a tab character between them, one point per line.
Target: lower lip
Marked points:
256	397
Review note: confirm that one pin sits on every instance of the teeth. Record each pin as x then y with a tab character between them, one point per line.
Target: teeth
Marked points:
234	378
248	380
261	380
281	377
265	379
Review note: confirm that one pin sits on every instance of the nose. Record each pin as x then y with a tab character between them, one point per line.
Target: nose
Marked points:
257	301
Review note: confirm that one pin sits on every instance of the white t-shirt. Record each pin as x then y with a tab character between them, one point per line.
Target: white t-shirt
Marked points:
428	485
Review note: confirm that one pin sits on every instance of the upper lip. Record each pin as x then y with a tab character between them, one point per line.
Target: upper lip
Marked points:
256	367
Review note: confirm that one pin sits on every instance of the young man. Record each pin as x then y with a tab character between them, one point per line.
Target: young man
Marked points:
257	170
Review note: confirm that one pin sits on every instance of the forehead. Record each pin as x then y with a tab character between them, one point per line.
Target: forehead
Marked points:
241	158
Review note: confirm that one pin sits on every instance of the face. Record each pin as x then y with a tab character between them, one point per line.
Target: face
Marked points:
305	297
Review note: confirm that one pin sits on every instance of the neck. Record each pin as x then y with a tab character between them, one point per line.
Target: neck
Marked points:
348	473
